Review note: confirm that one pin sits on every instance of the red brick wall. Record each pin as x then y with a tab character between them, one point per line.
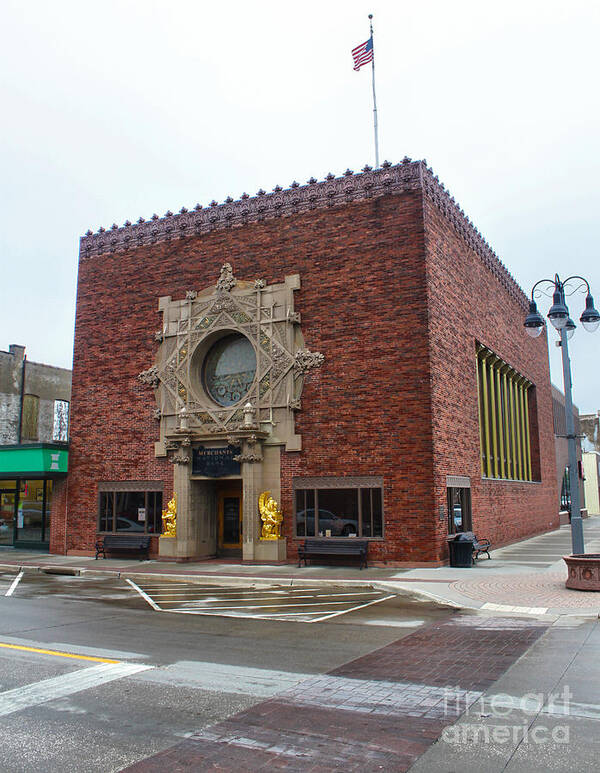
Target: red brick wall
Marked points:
366	411
468	303
58	514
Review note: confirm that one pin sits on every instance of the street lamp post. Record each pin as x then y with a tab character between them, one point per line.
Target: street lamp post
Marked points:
560	319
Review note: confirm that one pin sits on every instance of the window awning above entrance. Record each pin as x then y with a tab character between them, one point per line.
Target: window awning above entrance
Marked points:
34	460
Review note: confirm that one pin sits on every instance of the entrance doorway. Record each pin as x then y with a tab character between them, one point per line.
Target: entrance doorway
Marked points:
459	509
229	508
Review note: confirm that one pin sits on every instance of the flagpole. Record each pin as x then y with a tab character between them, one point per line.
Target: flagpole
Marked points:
374	98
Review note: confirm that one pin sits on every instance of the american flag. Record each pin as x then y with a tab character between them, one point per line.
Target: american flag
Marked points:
363	54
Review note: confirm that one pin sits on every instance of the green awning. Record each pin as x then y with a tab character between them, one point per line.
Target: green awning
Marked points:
34	460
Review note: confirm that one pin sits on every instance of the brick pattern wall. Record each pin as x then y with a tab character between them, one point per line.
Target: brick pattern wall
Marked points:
467	304
367	410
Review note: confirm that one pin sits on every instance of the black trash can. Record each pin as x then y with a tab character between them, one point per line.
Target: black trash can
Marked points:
461	549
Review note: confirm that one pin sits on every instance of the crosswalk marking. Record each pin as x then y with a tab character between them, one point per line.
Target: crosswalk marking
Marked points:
226	677
14	584
30	695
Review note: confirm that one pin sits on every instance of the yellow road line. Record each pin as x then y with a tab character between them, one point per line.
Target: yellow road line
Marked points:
58	654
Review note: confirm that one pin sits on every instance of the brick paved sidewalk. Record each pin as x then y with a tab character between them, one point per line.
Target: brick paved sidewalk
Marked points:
379	712
542	589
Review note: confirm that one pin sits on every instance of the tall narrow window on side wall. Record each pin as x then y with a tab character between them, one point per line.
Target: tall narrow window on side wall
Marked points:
506	420
29	424
60	431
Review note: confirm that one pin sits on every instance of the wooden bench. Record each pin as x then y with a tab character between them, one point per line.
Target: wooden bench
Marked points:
479	545
333	548
125	543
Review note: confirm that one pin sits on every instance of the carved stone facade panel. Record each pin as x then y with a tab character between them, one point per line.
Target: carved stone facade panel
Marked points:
259	320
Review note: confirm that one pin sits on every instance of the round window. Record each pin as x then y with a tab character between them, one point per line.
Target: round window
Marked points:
229	369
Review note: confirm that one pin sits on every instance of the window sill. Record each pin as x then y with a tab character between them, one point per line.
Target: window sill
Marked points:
349	539
129	533
510	480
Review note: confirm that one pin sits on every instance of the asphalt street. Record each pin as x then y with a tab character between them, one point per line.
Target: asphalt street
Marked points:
94	678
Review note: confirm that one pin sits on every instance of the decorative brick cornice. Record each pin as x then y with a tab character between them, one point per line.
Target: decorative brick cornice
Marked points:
297	199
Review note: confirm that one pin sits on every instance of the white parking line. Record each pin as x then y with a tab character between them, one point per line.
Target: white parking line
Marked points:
14	584
300	604
221	591
212	599
263	606
292	617
67	684
144	595
345	611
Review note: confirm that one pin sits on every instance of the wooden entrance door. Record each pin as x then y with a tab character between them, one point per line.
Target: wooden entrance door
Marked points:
229	497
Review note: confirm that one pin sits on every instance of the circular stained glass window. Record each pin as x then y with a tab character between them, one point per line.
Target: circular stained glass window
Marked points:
229	369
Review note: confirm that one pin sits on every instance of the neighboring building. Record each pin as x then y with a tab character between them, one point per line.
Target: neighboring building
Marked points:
353	346
561	445
591	474
590	427
34	432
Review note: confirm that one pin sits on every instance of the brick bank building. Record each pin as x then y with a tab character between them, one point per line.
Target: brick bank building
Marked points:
353	346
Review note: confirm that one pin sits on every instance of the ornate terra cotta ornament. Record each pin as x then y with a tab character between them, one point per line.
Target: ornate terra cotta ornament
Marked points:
169	518
584	571
271	516
247	458
226	281
238	317
179	459
150	377
305	360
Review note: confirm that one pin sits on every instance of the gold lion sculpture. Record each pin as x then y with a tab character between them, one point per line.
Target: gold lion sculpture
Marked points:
271	516
169	518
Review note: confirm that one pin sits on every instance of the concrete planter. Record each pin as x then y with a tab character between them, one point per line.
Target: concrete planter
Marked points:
584	571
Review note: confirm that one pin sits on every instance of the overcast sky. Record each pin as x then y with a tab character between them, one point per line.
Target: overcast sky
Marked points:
112	110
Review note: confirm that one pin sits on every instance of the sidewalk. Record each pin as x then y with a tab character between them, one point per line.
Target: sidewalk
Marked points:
467	694
525	578
543	714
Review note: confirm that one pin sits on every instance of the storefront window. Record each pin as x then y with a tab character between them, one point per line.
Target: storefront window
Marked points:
7	511
30	511
372	519
130	512
339	512
305	513
106	511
